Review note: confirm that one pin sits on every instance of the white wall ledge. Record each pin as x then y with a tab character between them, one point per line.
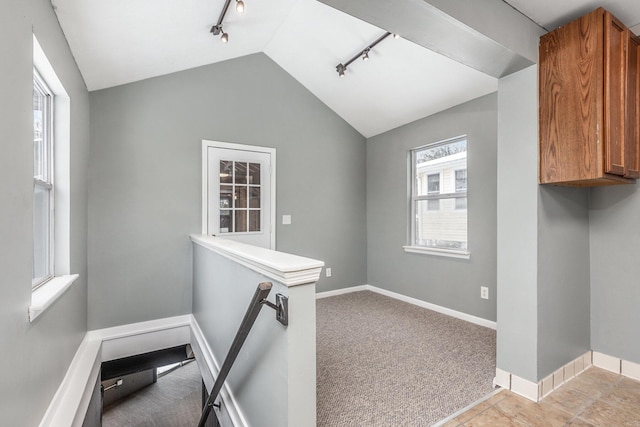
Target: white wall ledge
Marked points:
288	269
451	253
48	293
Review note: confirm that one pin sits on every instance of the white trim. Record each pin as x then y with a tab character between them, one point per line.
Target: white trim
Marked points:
444	310
48	293
606	362
537	391
631	370
69	405
206	144
209	369
524	388
502	379
451	253
327	294
290	270
70	402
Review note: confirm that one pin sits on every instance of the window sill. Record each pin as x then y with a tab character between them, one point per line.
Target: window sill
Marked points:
46	294
437	252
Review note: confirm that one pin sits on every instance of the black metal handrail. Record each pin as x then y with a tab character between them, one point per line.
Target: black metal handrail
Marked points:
258	300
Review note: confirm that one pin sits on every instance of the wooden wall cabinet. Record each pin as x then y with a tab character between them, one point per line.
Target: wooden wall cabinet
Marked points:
589	111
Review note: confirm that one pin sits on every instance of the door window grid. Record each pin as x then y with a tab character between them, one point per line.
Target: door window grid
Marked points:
240	197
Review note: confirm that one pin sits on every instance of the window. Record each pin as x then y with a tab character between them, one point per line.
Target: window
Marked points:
43	225
438	202
51	186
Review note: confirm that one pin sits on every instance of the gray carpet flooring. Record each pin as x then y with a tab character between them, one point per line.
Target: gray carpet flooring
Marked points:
173	401
383	362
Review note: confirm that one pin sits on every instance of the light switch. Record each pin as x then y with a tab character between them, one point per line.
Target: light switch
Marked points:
286	219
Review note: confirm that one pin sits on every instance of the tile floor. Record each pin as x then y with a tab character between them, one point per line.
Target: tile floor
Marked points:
594	398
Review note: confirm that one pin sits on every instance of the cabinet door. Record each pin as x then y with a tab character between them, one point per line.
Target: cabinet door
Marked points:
632	124
616	39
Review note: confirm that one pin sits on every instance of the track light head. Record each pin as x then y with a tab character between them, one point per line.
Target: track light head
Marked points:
224	38
239	6
341	69
215	30
365	54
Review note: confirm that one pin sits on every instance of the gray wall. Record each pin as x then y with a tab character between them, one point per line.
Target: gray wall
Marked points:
145	181
35	356
543	247
563	277
448	282
615	271
517	312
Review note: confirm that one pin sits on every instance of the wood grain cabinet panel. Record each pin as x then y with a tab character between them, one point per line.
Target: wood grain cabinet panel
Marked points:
589	104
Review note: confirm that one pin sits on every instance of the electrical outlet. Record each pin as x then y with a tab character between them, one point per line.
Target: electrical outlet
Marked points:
484	292
328	271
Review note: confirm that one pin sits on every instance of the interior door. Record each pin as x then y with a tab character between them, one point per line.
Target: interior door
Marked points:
239	194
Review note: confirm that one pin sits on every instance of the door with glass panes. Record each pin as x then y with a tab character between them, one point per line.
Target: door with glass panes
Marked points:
239	195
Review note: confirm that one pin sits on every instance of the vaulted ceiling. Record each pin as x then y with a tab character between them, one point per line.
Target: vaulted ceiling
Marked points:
122	41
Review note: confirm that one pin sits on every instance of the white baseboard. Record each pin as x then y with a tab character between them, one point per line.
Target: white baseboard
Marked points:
343	291
444	310
537	391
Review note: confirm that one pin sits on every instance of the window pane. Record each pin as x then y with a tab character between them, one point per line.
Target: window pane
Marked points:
440	171
240	197
254	197
39	152
41	233
241	173
254	173
226	196
440	228
241	221
225	221
226	171
254	220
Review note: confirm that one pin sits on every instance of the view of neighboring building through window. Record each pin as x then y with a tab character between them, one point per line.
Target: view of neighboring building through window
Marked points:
439	195
42	182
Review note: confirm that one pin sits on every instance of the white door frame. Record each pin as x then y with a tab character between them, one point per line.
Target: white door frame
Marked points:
206	144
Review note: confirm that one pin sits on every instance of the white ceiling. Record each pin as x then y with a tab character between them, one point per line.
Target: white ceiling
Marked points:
121	41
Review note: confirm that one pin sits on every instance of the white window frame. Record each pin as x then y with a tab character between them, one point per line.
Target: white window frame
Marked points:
412	246
45	181
43	296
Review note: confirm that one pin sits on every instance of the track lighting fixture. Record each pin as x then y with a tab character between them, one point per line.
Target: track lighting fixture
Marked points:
217	29
364	54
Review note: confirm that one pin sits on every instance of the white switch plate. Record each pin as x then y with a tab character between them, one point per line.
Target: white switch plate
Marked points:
286	219
484	292
328	271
